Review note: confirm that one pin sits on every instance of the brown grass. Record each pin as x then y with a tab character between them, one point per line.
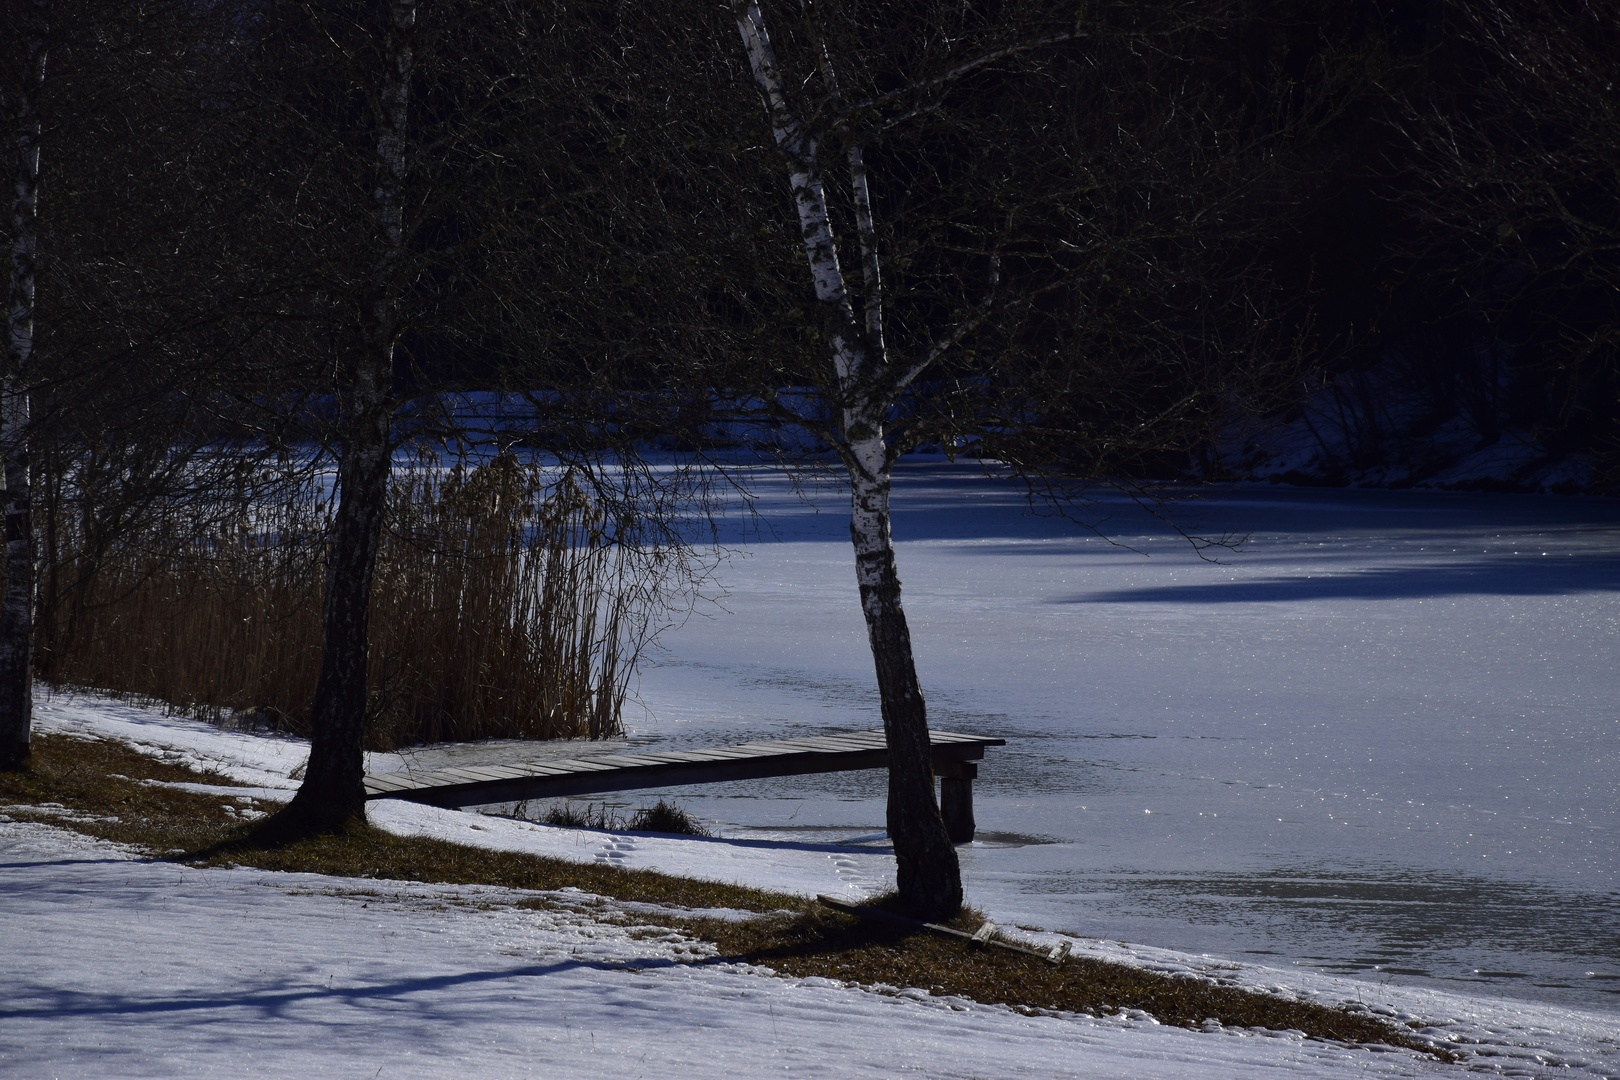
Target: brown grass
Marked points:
99	786
501	609
837	946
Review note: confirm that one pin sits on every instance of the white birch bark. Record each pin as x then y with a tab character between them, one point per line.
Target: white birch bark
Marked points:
928	874
17	615
804	178
865	224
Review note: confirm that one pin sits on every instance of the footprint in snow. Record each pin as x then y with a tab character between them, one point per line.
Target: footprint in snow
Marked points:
616	850
850	874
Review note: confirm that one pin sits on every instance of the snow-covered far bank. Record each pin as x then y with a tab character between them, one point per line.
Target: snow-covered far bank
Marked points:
118	967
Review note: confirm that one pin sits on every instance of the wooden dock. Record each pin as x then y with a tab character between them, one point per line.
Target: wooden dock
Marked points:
955	759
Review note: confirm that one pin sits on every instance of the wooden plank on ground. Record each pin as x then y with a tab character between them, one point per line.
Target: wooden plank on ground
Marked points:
984	936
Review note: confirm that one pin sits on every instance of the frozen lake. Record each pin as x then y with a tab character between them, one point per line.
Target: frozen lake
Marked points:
1382	740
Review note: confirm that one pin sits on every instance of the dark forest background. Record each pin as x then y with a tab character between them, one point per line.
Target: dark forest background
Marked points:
1383	231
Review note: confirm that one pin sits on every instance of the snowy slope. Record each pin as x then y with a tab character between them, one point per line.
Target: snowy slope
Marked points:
121	967
117	967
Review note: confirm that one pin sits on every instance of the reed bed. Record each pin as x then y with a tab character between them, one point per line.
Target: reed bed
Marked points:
503	607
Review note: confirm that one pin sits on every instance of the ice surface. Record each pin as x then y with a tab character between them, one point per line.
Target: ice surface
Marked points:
1382	739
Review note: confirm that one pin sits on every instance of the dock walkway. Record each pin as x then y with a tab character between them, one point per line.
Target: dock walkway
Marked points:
955	759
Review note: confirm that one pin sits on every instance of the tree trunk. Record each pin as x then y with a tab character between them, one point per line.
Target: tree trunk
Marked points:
332	793
929	877
17	615
927	874
47	589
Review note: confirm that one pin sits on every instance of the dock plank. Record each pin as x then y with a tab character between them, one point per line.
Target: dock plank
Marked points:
536	768
387	782
474	785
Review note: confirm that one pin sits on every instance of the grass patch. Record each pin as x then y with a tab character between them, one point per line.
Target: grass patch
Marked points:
664	817
108	790
570	816
837	946
667	818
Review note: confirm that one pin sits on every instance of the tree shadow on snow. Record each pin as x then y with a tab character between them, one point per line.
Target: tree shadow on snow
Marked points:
274	1002
1516	578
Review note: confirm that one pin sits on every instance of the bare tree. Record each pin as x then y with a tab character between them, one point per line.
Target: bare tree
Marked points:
17	614
866	383
332	792
1511	137
115	333
1052	174
431	280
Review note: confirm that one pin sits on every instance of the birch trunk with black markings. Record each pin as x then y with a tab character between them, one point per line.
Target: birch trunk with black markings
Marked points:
928	874
17	614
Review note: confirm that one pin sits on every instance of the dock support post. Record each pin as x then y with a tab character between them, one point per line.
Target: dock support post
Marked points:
956	798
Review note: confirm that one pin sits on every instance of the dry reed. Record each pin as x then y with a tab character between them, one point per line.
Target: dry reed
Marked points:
502	608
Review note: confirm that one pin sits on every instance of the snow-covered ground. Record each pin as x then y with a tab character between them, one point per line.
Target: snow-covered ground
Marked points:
1370	759
121	968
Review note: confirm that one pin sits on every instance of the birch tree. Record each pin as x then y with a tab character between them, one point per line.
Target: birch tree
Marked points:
17	614
869	378
866	382
1023	297
113	335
